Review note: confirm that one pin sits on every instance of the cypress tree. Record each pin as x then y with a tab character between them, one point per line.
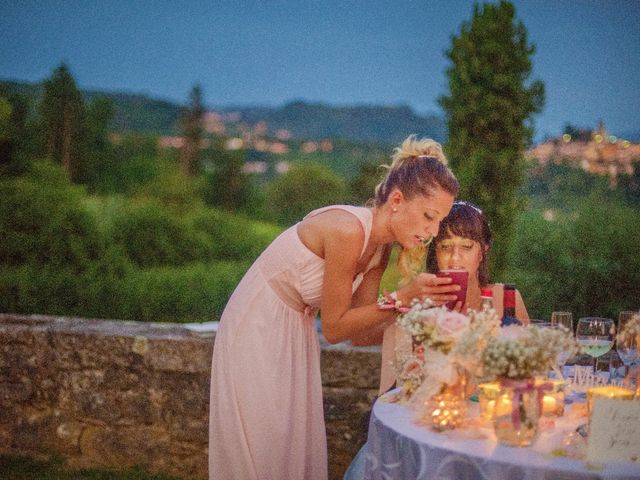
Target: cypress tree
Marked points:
62	113
489	112
192	132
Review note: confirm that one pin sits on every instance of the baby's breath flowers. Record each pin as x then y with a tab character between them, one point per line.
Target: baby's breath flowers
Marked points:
524	352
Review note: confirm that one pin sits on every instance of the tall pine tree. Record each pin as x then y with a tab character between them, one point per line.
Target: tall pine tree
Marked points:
489	114
62	113
191	123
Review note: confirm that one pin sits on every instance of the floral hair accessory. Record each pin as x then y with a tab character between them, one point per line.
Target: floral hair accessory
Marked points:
389	301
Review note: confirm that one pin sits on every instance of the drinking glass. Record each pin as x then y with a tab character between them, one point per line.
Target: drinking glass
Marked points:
563	318
627	345
595	336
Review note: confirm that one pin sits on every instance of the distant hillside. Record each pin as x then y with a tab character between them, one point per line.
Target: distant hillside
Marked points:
375	124
368	124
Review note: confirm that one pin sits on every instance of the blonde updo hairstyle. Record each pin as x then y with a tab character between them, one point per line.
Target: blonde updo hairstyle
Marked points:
418	167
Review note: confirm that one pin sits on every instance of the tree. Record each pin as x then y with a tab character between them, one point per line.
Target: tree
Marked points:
13	132
62	113
488	112
191	123
302	189
227	186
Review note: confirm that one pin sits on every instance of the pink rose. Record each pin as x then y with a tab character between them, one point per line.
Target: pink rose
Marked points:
451	325
419	352
411	368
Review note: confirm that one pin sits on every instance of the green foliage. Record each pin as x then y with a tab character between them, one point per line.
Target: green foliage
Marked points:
227	186
189	293
43	222
14	135
191	129
25	468
585	261
362	186
63	117
232	237
151	236
488	111
302	189
174	191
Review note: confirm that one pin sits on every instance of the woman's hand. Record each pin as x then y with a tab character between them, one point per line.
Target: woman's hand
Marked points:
427	285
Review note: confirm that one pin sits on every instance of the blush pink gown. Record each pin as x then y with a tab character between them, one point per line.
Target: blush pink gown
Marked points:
266	413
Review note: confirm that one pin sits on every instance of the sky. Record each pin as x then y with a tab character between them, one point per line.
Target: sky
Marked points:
338	52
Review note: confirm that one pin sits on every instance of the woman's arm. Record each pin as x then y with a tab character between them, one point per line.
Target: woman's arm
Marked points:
368	293
342	318
521	310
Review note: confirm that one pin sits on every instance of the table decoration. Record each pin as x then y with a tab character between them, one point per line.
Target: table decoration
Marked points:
553	399
607	391
614	430
514	357
446	351
488	393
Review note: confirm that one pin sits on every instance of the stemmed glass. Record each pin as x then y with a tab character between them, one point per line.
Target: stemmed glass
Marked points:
563	319
595	336
626	345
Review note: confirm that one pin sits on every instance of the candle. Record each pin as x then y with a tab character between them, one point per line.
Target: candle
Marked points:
608	391
487	395
445	411
553	400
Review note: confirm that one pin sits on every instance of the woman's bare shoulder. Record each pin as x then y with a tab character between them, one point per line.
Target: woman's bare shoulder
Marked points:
333	226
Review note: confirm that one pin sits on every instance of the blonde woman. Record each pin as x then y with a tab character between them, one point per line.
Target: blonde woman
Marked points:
266	411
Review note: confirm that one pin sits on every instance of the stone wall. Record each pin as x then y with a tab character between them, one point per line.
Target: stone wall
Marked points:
114	394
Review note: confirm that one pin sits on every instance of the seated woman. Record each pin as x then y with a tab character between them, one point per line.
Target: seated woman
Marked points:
464	241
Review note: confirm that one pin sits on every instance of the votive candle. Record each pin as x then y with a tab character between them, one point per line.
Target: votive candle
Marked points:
608	391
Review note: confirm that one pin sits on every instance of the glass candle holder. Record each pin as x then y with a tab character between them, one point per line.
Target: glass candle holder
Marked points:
517	412
487	396
553	399
608	391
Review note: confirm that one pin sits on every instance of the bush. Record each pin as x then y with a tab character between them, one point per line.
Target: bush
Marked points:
233	237
585	261
197	292
302	189
151	236
42	221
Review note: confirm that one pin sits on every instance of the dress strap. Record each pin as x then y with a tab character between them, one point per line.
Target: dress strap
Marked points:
361	213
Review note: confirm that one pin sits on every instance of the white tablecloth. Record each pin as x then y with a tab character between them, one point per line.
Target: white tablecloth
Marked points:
398	448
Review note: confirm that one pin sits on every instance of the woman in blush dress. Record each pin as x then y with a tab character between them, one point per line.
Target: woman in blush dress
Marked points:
266	410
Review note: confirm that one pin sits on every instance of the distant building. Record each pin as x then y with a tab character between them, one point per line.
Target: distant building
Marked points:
602	154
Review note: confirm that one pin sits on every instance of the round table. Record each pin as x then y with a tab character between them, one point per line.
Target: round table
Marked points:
398	448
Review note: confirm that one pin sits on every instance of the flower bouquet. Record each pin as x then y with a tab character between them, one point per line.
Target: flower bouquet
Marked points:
446	349
514	357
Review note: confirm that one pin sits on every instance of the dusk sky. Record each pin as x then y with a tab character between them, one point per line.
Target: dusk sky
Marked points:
336	52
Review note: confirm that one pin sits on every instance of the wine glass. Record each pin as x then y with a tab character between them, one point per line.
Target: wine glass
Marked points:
626	345
563	320
595	336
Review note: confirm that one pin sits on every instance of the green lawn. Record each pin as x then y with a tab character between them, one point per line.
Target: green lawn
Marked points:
24	468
